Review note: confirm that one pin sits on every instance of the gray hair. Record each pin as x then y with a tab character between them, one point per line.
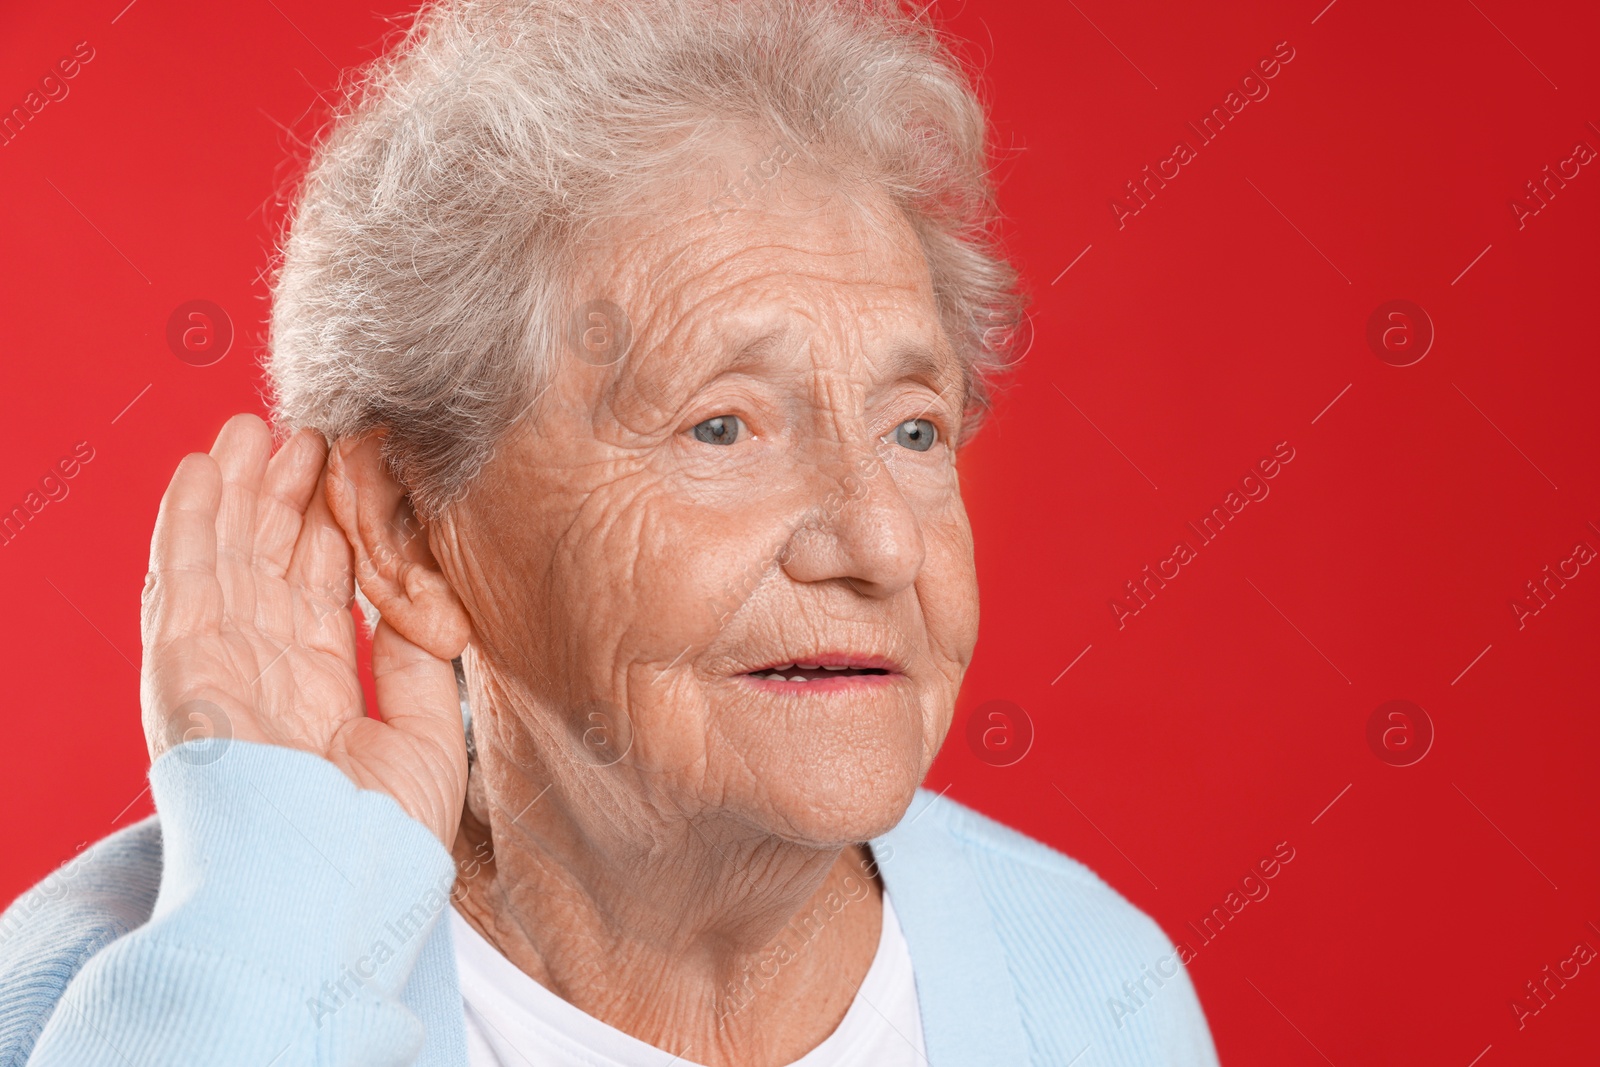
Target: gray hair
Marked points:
423	284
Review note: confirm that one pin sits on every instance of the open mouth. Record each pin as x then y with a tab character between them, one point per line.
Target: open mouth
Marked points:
821	672
812	672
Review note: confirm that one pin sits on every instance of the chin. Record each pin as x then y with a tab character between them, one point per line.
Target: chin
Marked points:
833	798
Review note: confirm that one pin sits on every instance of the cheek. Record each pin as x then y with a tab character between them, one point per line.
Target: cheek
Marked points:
947	598
647	573
654	587
947	589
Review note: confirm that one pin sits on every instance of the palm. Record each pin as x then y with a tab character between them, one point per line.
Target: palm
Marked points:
248	634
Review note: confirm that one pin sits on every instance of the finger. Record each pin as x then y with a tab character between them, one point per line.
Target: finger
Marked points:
181	590
416	690
241	452
416	693
286	491
321	564
413	680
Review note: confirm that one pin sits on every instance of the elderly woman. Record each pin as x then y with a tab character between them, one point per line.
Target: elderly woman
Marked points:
627	350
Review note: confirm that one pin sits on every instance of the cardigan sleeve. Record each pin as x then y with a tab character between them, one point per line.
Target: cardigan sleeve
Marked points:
297	923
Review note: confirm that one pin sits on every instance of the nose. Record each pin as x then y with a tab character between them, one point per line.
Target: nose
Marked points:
860	529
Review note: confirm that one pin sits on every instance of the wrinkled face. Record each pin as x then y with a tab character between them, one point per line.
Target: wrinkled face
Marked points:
731	569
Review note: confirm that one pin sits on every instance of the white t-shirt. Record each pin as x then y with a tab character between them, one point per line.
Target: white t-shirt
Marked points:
513	1021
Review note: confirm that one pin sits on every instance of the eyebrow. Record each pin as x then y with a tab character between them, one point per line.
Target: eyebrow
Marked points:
915	360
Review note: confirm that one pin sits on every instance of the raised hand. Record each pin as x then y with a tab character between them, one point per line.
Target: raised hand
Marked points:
248	635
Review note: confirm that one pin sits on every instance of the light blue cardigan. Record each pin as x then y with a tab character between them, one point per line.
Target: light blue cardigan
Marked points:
279	915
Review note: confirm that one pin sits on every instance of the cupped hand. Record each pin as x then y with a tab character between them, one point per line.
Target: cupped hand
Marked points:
248	634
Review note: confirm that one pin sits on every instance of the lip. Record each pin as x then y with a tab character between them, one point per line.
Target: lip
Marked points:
854	660
846	683
813	666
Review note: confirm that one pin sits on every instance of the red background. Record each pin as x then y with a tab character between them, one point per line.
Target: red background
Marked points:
1227	715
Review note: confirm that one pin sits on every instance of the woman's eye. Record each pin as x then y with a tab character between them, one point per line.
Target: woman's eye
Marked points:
915	434
722	430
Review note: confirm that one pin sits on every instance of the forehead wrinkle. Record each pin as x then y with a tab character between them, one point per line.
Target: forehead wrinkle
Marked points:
697	288
859	246
713	289
699	324
801	226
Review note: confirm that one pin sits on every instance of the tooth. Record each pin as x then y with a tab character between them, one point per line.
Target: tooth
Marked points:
798	678
826	668
774	677
806	666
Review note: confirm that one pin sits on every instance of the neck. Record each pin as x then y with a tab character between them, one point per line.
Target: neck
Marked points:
691	931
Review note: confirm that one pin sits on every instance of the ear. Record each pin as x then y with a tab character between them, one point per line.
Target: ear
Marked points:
393	563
